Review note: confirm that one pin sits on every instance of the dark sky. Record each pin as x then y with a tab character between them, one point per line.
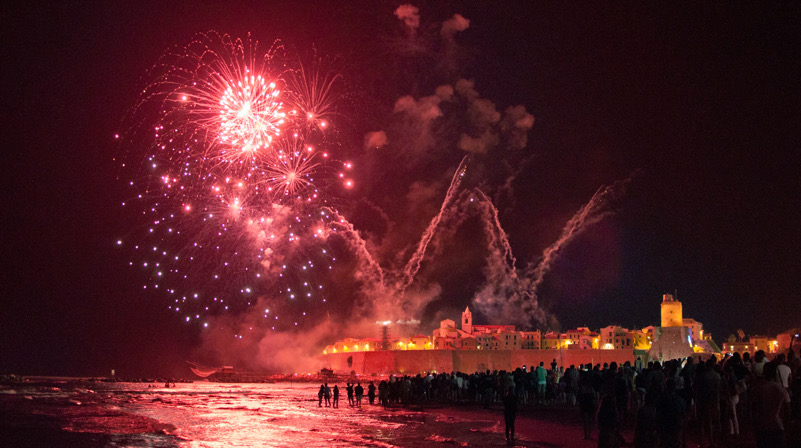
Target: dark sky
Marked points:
701	102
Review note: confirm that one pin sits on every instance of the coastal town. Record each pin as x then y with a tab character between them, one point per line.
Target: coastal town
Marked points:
675	337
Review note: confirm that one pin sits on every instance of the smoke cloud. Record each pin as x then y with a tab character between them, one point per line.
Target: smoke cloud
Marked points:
453	25
375	140
424	109
516	123
409	15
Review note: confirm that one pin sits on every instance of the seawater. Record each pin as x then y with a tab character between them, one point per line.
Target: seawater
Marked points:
205	414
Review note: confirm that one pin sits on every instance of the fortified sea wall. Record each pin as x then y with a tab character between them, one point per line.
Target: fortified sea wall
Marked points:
416	361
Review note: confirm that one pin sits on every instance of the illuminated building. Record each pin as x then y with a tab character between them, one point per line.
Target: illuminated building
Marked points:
531	340
671	311
696	329
574	336
751	344
643	338
550	341
679	337
785	340
447	336
467	321
616	337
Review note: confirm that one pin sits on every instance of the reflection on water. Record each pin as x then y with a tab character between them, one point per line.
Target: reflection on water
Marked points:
210	415
238	415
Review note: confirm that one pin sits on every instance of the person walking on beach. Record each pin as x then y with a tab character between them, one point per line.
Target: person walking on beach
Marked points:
327	395
320	394
336	396
510	413
359	393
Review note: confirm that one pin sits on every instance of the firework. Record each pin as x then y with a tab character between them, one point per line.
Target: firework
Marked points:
290	173
231	190
250	115
313	96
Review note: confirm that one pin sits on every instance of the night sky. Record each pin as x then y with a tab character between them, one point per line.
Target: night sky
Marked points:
698	108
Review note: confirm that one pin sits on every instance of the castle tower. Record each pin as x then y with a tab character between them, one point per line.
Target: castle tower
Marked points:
671	311
383	336
467	321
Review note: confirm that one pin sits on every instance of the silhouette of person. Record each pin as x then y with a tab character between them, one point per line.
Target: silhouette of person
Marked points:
336	396
359	390
510	413
320	394
371	392
349	389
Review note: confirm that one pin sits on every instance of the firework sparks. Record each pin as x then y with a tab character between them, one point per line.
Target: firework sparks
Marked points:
290	173
250	115
231	190
312	94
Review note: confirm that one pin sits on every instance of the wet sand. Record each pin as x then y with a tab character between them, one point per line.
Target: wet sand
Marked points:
540	426
560	425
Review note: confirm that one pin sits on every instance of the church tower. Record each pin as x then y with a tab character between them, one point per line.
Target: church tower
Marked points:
671	311
467	321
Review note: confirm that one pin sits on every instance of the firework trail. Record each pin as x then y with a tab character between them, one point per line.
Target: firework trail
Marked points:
413	265
387	287
497	236
596	209
510	295
368	268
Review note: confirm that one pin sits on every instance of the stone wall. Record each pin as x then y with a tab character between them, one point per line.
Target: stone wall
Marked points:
417	361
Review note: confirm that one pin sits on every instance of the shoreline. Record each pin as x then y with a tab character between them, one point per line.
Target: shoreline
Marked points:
82	416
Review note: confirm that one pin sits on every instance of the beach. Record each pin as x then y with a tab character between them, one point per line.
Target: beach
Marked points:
80	413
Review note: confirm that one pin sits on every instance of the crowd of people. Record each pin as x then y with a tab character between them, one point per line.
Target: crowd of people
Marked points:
657	398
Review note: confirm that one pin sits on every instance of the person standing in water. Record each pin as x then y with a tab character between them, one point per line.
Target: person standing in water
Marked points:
320	394
336	396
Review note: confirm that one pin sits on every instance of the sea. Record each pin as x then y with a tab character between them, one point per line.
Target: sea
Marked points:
80	413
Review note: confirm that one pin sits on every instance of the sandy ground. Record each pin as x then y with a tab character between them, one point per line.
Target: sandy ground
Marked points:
555	426
542	426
